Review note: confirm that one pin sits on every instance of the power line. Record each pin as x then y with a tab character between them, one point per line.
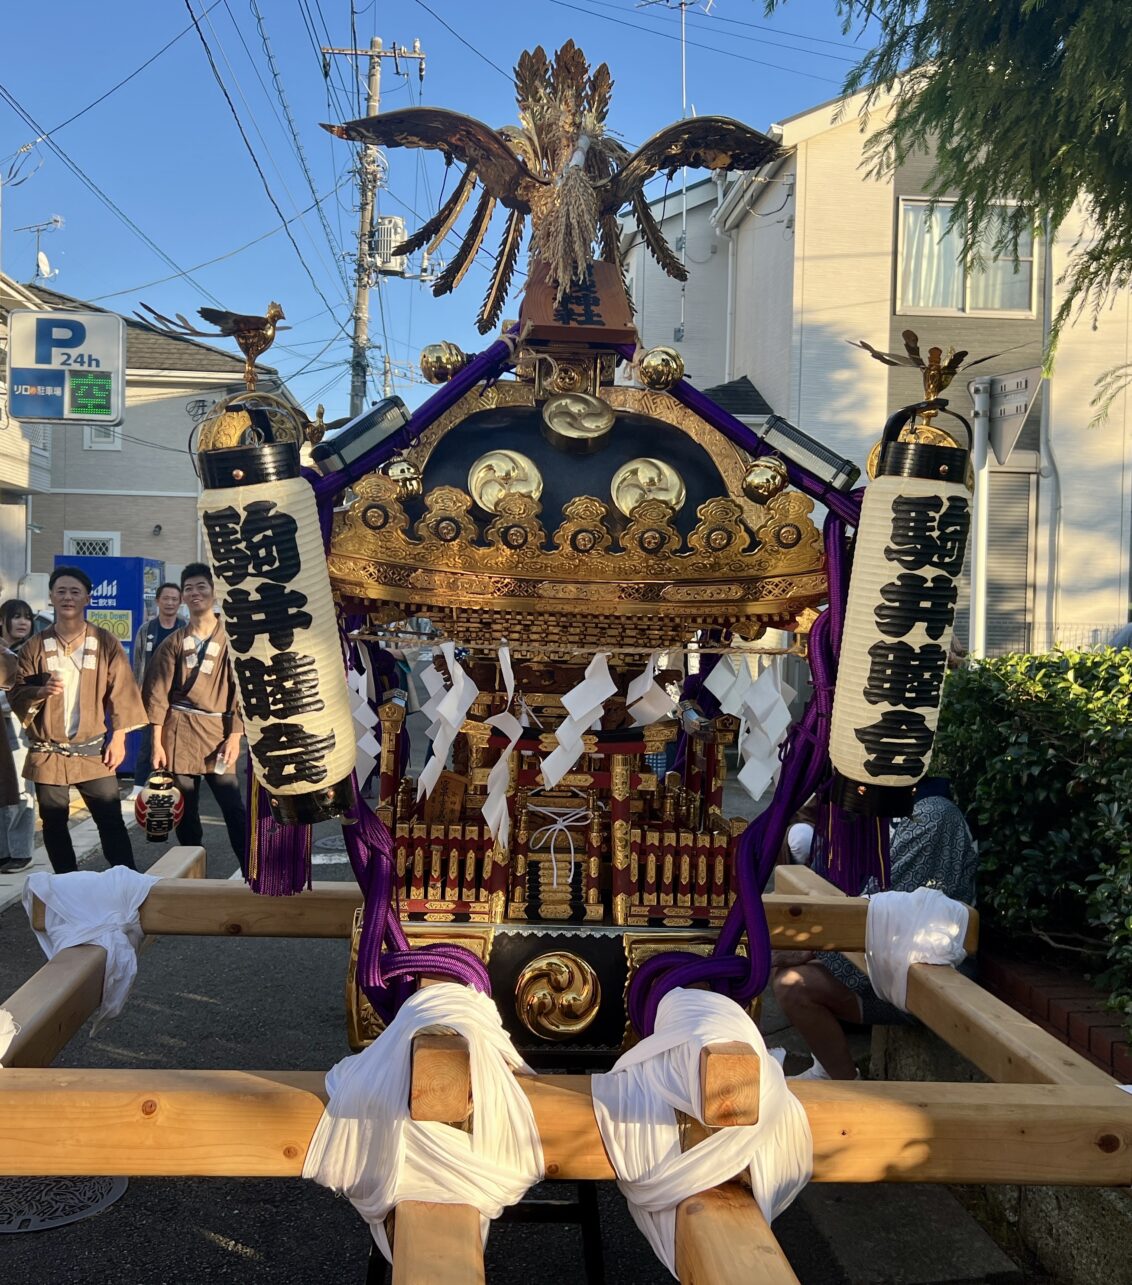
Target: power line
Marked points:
655	11
93	187
478	52
277	81
124	81
145	285
254	158
664	35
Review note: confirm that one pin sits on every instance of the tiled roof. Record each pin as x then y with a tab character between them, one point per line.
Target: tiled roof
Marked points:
740	397
149	349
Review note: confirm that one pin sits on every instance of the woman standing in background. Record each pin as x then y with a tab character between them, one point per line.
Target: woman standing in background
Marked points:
17	819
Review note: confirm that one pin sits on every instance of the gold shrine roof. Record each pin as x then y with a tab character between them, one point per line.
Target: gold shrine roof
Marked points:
566	568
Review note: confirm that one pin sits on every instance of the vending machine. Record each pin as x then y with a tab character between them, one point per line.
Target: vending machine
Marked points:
121	601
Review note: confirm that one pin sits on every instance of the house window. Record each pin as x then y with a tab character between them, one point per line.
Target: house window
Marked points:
101	437
932	277
91	544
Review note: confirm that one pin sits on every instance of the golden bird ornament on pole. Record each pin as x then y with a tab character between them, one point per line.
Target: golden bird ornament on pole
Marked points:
253	335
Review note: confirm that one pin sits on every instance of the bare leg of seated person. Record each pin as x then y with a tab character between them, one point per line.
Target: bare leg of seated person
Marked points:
816	1003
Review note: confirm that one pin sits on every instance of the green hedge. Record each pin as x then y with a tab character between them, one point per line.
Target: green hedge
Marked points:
1039	752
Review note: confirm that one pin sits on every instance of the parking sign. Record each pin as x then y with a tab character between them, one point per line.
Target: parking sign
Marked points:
66	367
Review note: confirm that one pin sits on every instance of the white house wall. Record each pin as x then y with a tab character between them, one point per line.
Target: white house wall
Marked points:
1095	464
656	295
763	331
842	290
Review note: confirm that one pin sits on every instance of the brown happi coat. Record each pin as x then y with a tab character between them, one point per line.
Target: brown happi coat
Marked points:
9	781
192	734
108	699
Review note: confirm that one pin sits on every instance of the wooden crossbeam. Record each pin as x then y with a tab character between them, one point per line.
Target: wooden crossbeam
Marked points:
729	1084
221	908
1003	1044
258	1124
57	1000
441	1083
722	1238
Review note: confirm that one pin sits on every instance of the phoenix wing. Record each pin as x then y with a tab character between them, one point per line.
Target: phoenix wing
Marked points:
703	142
479	147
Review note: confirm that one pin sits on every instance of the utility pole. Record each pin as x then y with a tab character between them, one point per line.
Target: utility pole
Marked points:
368	179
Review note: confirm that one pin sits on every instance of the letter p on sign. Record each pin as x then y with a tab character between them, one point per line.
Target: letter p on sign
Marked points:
56	332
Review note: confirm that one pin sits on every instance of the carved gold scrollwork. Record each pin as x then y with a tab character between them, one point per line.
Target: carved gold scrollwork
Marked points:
557	996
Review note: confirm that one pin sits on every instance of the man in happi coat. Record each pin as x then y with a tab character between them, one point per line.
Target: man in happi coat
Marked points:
191	701
76	697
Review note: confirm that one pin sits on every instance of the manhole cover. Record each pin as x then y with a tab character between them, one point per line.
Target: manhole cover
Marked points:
332	843
38	1204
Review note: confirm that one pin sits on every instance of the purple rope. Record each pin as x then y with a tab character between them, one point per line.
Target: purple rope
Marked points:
805	763
387	964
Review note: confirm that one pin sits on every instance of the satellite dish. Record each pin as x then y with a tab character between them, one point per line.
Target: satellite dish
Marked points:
43	267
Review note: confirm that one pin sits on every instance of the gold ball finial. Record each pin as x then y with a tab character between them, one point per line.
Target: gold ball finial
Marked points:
407	476
765	479
660	368
439	362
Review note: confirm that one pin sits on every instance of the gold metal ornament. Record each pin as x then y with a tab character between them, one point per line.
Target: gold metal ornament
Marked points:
407	476
577	422
500	473
228	422
439	362
660	368
557	996
766	478
647	479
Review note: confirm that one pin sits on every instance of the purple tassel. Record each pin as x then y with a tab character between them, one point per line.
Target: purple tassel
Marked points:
279	855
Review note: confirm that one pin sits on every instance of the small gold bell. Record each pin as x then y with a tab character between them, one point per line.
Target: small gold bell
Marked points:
765	479
660	368
407	476
439	362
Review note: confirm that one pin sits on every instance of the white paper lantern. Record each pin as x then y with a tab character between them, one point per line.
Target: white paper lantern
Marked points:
265	548
898	626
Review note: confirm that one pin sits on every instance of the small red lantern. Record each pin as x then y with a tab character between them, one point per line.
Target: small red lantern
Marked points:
159	807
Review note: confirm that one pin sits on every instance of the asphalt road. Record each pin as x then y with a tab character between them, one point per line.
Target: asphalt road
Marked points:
253	1004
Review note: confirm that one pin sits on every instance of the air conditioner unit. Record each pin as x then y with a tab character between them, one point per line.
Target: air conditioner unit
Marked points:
389	230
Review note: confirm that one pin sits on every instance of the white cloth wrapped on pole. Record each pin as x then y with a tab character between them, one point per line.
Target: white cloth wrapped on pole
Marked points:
367	1146
94	908
636	1104
905	928
9	1029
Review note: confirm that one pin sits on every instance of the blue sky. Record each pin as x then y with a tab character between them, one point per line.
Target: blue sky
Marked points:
164	148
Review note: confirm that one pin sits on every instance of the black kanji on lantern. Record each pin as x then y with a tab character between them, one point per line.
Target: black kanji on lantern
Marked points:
260	542
927	532
900	674
272	610
288	754
283	688
581	305
912	600
898	744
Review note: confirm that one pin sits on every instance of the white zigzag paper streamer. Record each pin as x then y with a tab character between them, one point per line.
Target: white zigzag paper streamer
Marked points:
447	709
585	704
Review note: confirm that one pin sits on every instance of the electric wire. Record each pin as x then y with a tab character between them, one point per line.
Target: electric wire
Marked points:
96	191
467	44
254	158
114	88
664	35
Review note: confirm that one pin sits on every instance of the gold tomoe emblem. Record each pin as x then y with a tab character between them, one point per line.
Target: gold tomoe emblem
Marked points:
500	473
646	479
577	421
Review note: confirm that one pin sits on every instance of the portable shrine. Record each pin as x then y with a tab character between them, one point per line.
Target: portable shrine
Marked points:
590	574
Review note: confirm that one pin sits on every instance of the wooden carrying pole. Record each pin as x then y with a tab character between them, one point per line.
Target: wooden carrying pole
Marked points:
221	908
57	1000
1004	1045
241	1124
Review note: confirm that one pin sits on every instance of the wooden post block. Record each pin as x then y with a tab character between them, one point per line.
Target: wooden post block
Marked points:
441	1086
723	1239
437	1245
729	1084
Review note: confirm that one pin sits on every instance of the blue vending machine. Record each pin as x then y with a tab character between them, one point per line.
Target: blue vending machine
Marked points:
121	601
